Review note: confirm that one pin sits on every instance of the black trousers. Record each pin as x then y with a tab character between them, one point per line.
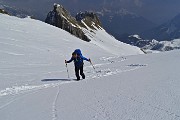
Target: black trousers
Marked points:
77	69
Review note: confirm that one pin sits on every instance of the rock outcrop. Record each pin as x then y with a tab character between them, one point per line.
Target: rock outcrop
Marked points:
61	18
3	11
90	19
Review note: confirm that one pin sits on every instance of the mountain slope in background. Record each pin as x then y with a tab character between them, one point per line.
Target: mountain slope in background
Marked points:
119	22
157	11
167	31
88	27
124	23
149	46
34	82
15	11
163	45
115	22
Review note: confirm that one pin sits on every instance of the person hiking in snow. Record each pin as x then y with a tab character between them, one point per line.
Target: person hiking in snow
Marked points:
78	63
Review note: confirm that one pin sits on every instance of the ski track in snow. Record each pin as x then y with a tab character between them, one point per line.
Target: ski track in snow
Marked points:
103	113
108	72
54	109
14	90
94	74
11	53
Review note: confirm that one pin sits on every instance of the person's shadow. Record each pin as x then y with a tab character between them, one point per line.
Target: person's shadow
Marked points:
60	79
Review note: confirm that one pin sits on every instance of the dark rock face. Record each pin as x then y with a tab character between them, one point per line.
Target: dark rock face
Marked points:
61	18
3	11
89	18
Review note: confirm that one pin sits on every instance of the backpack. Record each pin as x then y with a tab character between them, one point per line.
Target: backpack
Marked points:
78	52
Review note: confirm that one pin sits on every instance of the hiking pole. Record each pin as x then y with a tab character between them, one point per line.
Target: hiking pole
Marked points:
67	70
94	68
92	65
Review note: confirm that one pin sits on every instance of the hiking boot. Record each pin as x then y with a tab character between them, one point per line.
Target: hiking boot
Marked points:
83	76
78	79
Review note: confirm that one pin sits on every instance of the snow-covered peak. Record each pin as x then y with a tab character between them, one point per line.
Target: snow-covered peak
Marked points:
58	5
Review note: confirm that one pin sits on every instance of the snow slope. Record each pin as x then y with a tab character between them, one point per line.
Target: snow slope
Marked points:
108	43
34	83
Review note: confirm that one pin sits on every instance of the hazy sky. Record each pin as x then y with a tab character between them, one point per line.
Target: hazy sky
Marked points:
155	10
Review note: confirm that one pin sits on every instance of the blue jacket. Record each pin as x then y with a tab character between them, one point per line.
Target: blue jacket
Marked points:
78	62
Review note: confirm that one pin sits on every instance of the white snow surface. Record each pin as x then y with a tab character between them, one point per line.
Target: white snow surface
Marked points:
34	83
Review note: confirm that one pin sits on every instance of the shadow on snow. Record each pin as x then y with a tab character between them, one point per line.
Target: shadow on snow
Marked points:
61	79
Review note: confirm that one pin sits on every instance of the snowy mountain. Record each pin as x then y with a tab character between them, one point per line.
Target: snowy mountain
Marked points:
34	83
86	26
114	22
167	31
154	45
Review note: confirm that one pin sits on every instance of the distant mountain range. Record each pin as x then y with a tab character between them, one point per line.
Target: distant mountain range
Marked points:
122	21
164	37
167	31
15	11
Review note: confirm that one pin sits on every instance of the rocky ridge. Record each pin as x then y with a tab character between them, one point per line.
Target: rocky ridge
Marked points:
61	18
